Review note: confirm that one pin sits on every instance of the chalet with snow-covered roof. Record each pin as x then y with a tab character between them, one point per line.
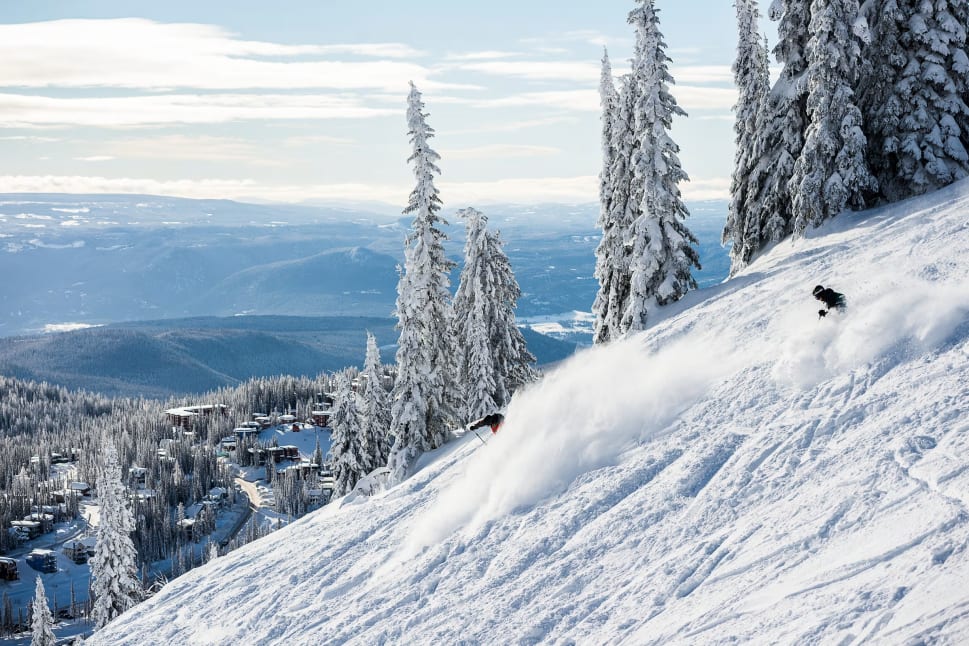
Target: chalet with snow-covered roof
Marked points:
185	416
81	488
27	528
76	551
42	560
244	432
46	521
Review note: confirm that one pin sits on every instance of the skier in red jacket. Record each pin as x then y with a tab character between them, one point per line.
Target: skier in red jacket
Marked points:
493	420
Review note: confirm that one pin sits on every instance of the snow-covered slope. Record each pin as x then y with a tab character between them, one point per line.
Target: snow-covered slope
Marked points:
742	472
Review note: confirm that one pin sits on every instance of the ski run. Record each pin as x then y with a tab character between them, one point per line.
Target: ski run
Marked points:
740	472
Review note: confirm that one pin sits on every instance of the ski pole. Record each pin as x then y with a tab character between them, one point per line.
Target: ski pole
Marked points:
477	436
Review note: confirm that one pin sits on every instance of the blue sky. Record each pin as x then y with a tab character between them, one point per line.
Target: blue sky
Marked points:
304	100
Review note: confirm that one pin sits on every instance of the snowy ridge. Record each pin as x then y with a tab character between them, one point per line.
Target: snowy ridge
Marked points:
742	471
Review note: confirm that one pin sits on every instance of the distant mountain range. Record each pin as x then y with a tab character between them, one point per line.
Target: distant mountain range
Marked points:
172	357
264	275
97	259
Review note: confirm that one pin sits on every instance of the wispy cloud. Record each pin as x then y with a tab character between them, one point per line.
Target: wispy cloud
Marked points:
570	100
313	140
30	138
94	158
498	151
197	148
27	111
587	36
702	73
692	97
514	126
139	53
578	71
480	56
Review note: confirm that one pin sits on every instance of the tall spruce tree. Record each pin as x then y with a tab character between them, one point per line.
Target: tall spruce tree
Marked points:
751	75
494	360
375	408
513	360
915	94
42	623
778	136
114	568
348	448
663	253
614	251
424	409
879	98
832	171
610	249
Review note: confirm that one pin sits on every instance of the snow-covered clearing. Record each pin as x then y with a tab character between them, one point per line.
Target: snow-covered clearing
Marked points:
742	472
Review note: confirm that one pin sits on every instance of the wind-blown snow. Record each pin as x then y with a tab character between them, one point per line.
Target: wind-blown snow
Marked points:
741	472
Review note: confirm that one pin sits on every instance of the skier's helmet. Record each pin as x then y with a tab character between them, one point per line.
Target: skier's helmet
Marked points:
817	290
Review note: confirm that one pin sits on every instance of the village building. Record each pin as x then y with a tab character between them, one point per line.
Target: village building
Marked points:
42	560
185	416
8	569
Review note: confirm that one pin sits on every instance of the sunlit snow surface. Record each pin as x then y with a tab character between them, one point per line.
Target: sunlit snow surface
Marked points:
742	472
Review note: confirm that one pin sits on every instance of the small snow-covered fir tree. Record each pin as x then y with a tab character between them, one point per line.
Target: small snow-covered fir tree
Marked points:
42	623
375	406
425	394
663	253
348	449
494	360
114	568
752	78
832	170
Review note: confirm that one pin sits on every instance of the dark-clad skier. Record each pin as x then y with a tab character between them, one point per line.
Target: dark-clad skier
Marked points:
831	299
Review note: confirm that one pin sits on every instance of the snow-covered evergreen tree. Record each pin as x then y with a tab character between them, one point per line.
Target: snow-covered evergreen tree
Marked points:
375	406
424	408
778	136
477	366
348	448
614	181
114	569
752	78
832	171
914	95
42	623
663	253
613	253
494	360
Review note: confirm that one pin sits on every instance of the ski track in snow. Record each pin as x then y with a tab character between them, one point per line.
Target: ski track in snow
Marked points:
743	472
